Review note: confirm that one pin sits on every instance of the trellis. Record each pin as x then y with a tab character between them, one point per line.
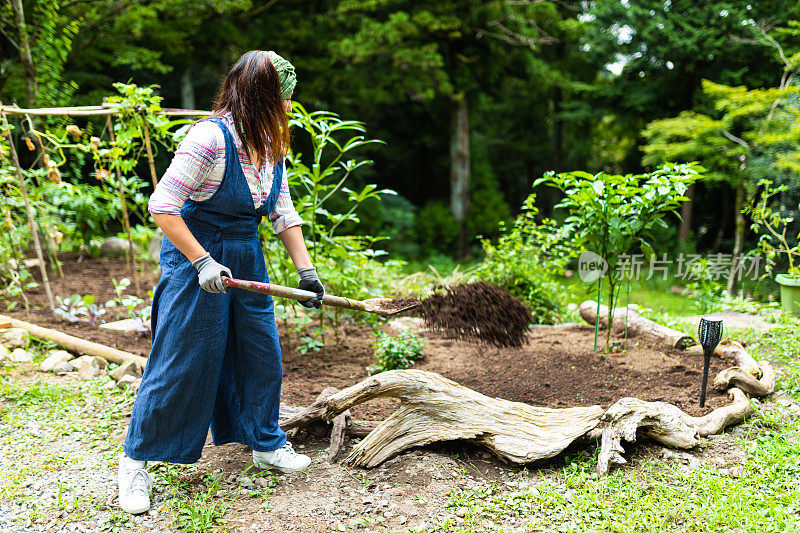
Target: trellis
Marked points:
108	110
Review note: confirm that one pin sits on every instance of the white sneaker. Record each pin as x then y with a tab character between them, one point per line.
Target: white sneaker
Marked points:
284	459
135	485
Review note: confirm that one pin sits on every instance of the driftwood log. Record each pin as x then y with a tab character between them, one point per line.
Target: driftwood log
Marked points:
435	409
737	352
741	378
663	422
636	323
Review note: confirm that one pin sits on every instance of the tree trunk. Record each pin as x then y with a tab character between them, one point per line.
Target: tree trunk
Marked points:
686	215
25	53
739	239
460	168
722	219
187	90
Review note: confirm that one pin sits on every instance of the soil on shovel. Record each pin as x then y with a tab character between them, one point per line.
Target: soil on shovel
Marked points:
555	368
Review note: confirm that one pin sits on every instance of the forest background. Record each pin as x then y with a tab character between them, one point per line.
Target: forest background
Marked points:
474	99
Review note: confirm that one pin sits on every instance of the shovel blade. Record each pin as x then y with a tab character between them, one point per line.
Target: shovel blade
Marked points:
390	306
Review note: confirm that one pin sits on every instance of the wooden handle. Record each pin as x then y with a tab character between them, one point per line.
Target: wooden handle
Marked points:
293	294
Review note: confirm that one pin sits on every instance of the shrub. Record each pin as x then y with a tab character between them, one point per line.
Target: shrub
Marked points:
398	352
525	260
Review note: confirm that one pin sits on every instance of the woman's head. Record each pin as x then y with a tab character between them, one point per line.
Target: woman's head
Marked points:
254	92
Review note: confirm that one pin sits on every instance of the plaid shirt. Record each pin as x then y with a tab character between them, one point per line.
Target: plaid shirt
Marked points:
197	169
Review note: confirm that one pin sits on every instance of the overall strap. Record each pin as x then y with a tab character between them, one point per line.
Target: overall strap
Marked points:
230	146
277	181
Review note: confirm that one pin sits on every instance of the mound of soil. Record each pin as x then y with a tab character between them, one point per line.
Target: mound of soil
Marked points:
556	368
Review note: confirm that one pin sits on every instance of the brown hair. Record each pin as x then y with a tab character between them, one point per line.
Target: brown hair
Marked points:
252	94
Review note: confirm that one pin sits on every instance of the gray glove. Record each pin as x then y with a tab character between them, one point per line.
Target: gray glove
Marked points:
210	273
309	281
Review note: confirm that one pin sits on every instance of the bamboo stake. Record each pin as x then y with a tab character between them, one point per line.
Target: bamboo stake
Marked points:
76	344
130	255
149	151
87	111
30	214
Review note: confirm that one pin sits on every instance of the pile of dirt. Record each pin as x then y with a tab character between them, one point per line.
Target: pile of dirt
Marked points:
479	311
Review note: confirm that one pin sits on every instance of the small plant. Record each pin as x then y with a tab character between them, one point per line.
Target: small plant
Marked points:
71	309
611	215
773	226
708	294
397	352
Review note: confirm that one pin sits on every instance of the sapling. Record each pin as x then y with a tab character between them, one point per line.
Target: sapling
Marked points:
611	215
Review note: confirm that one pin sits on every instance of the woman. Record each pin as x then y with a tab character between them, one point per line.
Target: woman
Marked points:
216	359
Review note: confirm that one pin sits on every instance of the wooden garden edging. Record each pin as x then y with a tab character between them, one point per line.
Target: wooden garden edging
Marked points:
75	344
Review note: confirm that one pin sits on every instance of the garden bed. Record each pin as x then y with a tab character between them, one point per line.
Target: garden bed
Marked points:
558	368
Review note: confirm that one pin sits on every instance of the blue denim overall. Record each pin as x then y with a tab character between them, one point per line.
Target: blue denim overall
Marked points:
216	358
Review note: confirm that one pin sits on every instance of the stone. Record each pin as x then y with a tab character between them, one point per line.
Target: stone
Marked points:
129	368
261	482
115	247
87	367
125	381
108	386
102	363
246	483
53	358
4	353
14	338
135	385
129	325
21	356
154	249
63	368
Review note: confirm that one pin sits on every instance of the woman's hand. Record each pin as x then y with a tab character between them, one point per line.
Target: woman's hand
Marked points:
309	281
209	273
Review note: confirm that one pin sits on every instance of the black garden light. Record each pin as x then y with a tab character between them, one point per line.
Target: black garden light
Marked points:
710	333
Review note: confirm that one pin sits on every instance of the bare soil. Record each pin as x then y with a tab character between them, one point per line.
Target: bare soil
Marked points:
556	368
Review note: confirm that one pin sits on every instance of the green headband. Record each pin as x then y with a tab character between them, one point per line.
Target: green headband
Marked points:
286	74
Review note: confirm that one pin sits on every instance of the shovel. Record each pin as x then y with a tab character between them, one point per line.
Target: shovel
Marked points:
378	306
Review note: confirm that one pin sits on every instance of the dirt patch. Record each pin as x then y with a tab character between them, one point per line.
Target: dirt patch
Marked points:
478	311
556	368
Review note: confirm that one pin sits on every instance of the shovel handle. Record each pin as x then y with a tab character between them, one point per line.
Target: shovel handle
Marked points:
293	294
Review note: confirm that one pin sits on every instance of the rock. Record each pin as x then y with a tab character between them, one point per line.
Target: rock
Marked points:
569	496
129	325
125	381
87	367
63	368
53	358
135	385
572	307
130	368
261	482
102	363
21	356
154	249
462	511
14	338
115	247
413	323
4	353
108	386
246	483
